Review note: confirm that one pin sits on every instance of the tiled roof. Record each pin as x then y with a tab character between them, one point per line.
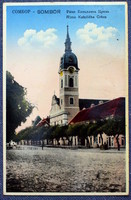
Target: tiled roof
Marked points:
44	121
113	108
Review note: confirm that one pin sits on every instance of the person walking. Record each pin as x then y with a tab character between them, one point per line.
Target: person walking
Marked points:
42	144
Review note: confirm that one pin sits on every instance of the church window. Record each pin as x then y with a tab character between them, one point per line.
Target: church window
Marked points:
71	82
61	83
71	100
61	101
76	82
65	80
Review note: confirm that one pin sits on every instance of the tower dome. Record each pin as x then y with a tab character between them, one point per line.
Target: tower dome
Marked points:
69	58
64	108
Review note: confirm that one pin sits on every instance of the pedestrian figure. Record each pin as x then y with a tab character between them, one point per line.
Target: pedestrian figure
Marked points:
42	144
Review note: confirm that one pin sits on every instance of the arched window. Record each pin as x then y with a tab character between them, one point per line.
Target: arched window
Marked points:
71	82
61	83
71	101
76	82
65	80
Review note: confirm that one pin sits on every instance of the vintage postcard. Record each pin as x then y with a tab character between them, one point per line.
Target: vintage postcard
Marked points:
65	94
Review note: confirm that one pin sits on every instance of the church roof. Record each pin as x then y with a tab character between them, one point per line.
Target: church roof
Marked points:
114	108
69	58
86	103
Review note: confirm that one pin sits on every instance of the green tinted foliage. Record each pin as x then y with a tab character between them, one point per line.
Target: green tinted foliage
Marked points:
51	132
17	107
74	130
110	127
114	126
92	130
32	133
58	131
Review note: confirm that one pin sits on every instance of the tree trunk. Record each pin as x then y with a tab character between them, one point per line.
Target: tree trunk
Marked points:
88	143
118	144
101	138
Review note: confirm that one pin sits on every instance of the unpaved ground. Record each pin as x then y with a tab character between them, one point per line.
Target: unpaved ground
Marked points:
65	170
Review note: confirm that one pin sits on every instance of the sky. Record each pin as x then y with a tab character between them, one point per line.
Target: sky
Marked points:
35	44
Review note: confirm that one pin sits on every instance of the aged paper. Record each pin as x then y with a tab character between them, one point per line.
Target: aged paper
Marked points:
72	58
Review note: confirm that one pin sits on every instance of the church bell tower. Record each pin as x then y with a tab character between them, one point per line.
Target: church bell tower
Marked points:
68	81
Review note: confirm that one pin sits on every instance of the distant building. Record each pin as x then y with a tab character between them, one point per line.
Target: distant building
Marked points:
36	121
44	122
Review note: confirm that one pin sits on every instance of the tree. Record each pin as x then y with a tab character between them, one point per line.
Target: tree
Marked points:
55	132
60	132
17	107
92	130
33	133
115	127
100	129
74	129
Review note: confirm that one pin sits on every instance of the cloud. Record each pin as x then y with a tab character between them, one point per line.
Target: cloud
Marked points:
91	33
32	38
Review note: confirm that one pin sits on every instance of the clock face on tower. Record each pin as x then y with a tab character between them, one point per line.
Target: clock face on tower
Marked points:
71	70
61	73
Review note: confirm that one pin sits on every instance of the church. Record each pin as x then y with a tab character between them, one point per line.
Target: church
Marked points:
69	109
68	104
